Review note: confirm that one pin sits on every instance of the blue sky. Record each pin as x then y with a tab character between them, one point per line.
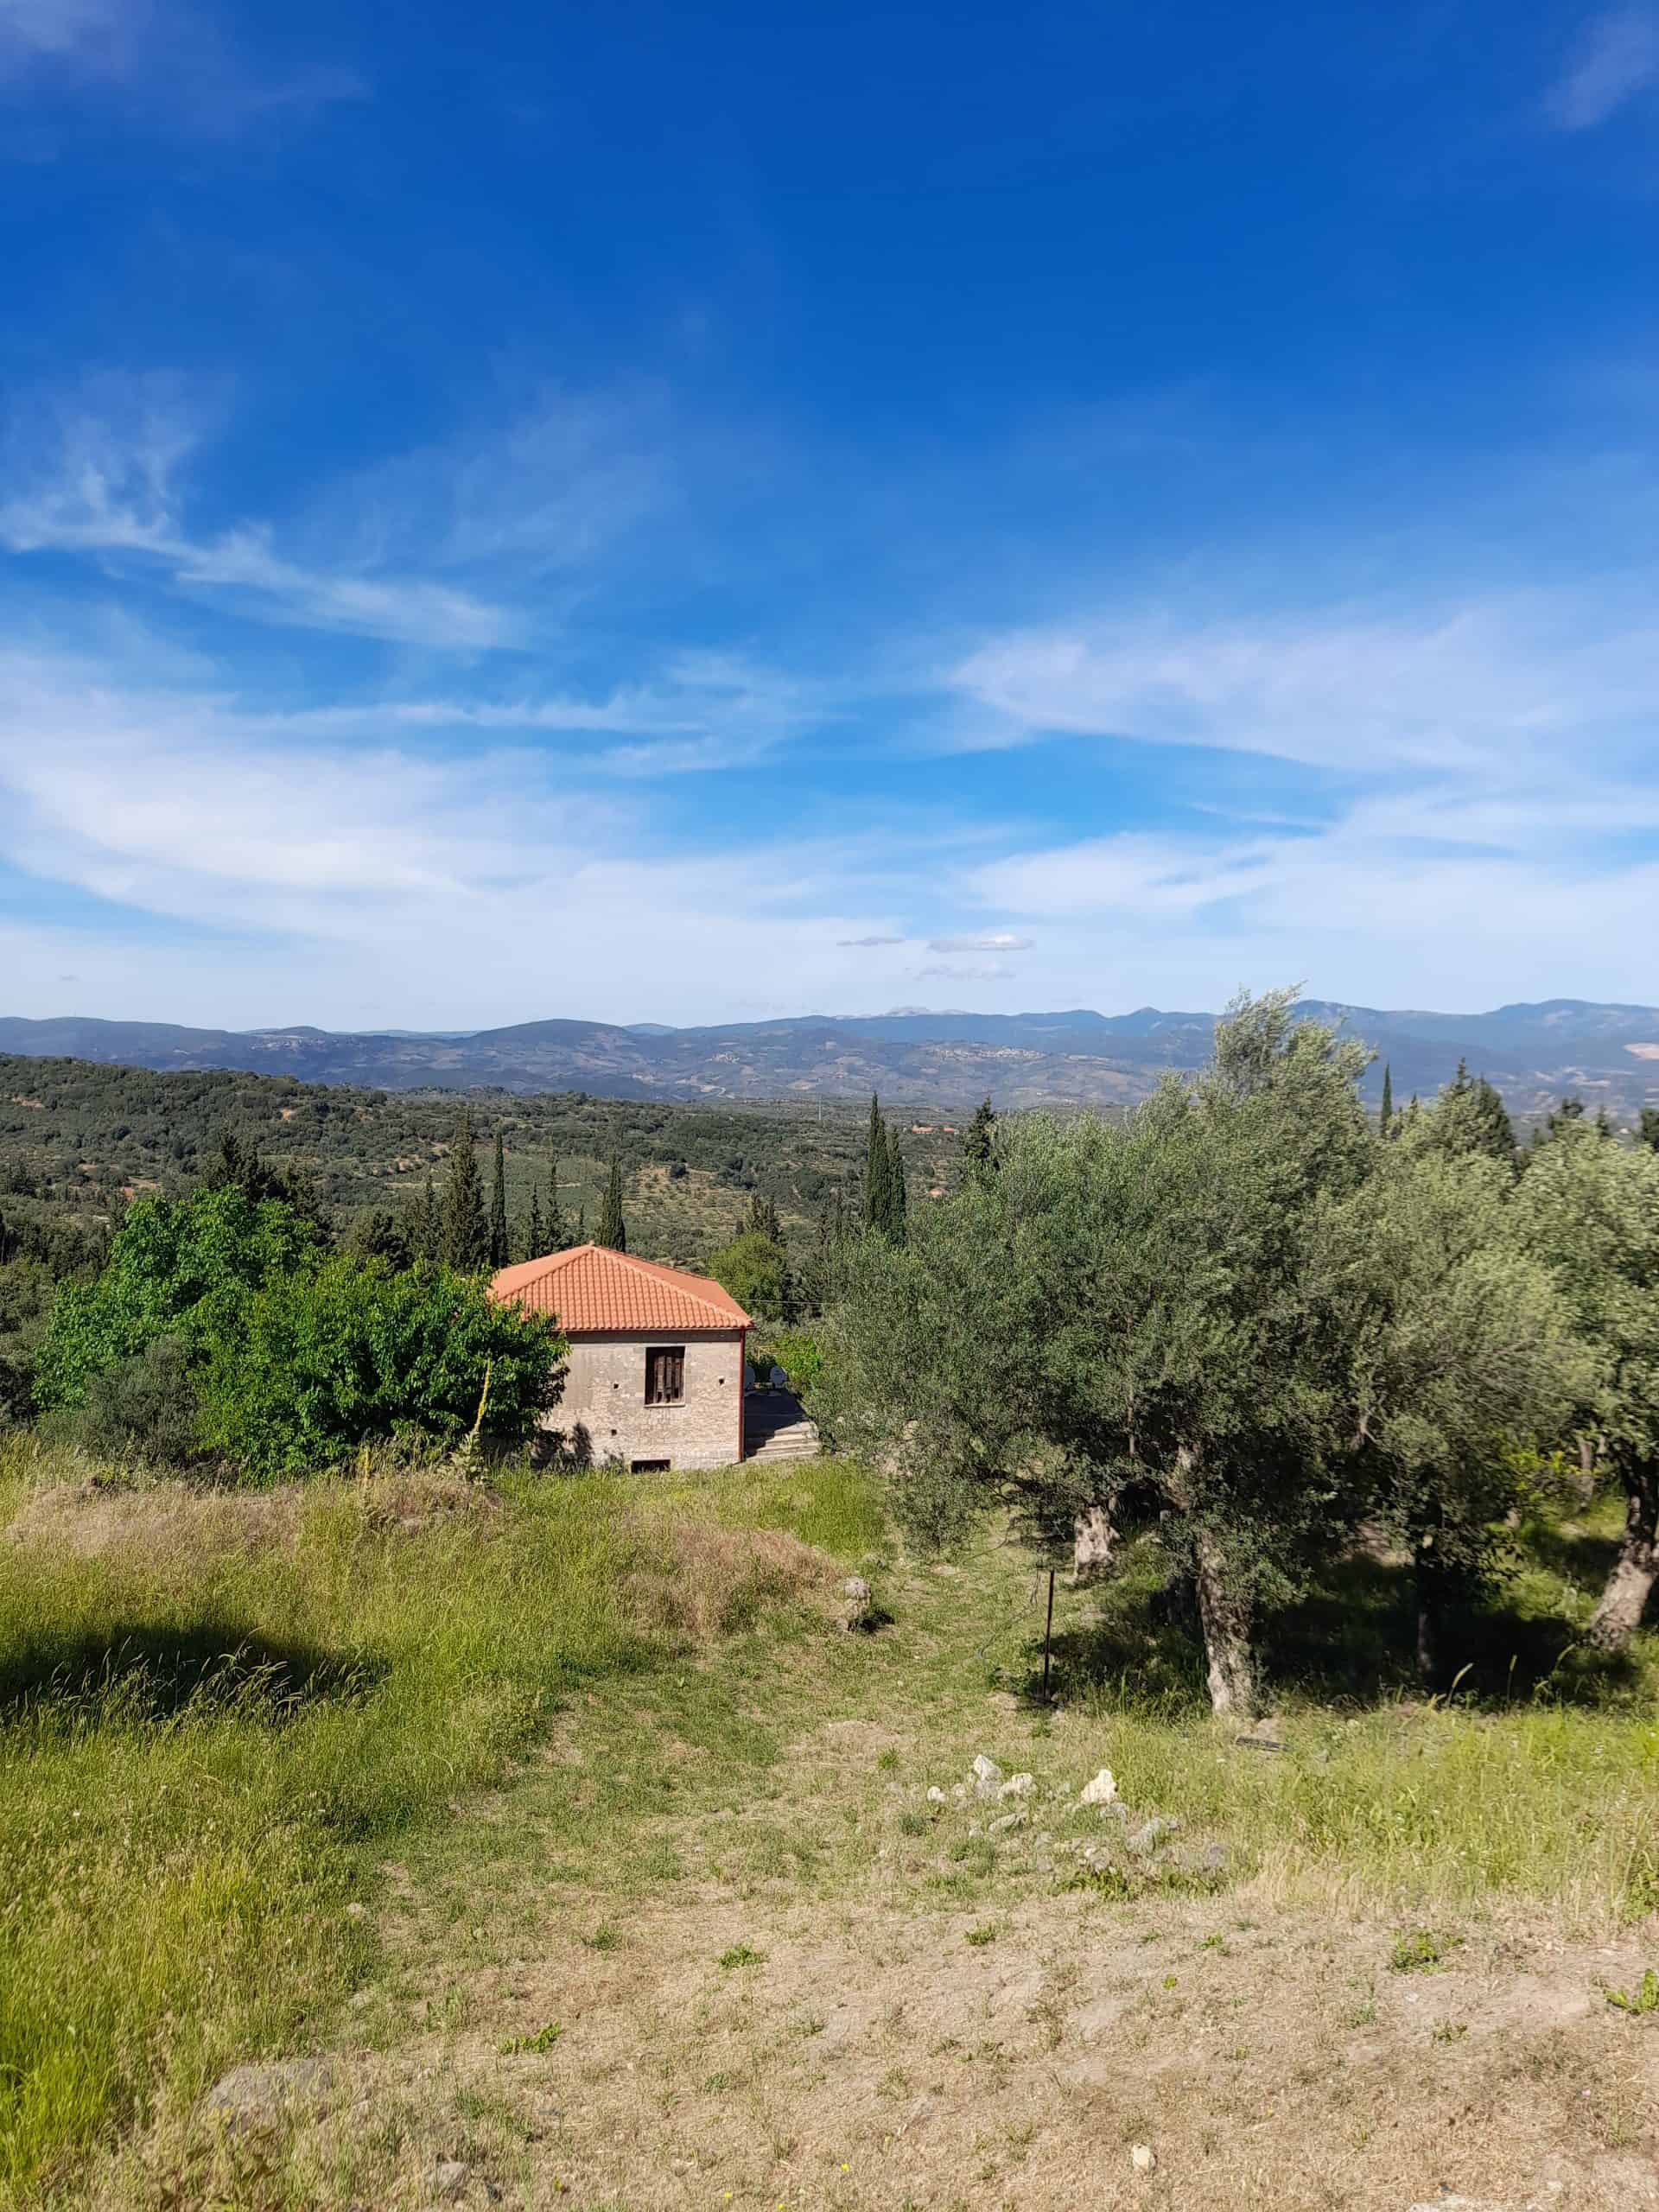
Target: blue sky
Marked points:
668	514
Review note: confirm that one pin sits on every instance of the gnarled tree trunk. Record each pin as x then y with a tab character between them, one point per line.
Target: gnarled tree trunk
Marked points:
1636	1568
1228	1617
1092	1540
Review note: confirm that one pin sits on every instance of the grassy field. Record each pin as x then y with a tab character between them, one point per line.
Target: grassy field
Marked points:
599	1865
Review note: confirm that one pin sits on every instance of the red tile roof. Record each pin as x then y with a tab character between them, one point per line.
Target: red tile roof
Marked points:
594	1291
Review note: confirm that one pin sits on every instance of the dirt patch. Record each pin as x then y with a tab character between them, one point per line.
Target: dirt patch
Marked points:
740	2053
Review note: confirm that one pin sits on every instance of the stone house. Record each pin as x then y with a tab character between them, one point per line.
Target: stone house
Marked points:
656	1373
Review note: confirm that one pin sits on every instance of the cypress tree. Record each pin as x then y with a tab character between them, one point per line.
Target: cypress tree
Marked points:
500	1251
1387	1114
427	1235
535	1243
464	1236
878	1172
557	1230
979	1140
613	1230
898	1200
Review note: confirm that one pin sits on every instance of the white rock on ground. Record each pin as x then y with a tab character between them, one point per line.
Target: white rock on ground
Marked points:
935	1795
1144	2158
986	1774
1017	1785
1100	1790
261	2096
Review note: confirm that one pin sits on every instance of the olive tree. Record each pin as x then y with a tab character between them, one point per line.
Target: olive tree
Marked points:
1129	1317
1458	1353
1589	1209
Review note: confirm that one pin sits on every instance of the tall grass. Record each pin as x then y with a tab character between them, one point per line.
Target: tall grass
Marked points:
215	1716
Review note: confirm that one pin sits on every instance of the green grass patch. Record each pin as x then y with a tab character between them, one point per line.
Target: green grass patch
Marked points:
217	1715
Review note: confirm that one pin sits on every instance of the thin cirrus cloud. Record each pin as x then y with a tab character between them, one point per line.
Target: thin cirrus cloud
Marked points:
1617	60
990	941
441	548
170	65
1463	688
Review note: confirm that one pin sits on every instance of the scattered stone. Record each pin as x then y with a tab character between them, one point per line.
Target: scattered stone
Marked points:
1144	2158
1146	1840
987	1776
1262	1736
960	1792
856	1610
255	2097
1100	1790
1006	1821
935	1795
1017	1785
448	2180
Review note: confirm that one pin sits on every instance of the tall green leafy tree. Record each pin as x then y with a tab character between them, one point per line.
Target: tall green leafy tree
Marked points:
878	1173
612	1229
500	1249
465	1234
756	1271
1589	1209
1385	1114
1133	1317
1460	1355
176	1264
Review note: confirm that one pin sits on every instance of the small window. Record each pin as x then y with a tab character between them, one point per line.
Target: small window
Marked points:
649	1466
665	1375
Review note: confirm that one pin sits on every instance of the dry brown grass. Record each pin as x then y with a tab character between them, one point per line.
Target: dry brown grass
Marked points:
707	1581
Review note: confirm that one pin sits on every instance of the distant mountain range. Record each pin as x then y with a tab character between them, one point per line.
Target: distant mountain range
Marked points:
1607	1054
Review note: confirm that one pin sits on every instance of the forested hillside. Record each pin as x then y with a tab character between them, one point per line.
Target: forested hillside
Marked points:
78	1141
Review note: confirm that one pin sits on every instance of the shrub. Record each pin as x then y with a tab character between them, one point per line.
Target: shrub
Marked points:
145	1407
295	1376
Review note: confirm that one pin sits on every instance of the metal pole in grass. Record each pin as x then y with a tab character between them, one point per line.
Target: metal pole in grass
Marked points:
1048	1634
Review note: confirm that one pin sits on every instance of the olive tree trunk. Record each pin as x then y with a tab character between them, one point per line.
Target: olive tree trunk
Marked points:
1636	1568
1093	1540
1227	1619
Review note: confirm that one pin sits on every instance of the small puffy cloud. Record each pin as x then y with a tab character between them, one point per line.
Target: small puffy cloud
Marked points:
1618	58
986	941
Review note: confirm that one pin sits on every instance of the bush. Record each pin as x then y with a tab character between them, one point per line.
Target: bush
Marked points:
297	1376
145	1408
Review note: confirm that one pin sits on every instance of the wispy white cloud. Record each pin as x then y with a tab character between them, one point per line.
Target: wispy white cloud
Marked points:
100	474
474	884
988	941
1447	689
170	63
868	944
1616	59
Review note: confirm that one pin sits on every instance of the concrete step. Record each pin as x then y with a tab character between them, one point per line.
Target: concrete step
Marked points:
794	1443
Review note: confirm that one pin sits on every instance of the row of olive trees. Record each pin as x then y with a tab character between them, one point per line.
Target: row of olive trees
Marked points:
1245	1319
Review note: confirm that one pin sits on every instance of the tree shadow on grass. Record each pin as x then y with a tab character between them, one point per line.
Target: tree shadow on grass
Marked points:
145	1673
1349	1640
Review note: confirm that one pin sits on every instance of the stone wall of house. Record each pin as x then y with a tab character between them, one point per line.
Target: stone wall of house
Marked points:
605	1390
